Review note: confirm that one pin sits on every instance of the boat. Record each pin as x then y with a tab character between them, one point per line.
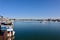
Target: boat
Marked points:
6	28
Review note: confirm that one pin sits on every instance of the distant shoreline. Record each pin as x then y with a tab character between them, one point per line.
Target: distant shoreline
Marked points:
53	20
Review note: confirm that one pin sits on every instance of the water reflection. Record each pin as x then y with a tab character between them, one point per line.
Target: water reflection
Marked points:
37	31
11	38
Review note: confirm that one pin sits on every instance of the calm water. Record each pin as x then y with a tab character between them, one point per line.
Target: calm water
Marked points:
37	31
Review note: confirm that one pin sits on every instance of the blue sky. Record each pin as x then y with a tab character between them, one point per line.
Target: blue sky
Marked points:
30	8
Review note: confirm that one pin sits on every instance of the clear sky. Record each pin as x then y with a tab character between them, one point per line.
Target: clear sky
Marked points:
30	8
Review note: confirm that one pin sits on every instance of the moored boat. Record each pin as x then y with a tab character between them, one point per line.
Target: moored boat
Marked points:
6	28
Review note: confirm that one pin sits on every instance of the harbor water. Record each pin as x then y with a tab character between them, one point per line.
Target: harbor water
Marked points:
36	31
